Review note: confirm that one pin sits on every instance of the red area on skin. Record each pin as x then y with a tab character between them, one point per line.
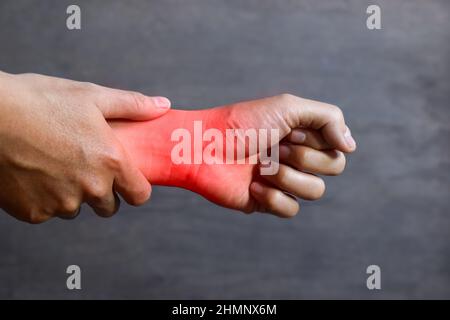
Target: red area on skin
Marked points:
149	145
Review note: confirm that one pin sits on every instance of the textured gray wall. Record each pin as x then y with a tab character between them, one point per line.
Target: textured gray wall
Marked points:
391	207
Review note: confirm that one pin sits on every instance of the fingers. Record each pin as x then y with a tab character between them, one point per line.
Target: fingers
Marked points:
308	137
299	184
122	176
273	200
130	183
349	139
130	105
316	115
326	162
105	204
330	121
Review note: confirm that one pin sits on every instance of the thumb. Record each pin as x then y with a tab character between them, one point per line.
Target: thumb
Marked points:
130	105
327	118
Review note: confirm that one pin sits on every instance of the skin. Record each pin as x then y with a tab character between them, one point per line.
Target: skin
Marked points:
313	140
57	150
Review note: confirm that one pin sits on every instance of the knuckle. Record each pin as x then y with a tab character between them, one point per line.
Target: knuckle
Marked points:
70	205
98	191
287	97
30	75
336	112
89	86
81	87
111	157
138	100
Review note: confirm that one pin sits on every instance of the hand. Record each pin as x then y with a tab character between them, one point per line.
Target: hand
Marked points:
57	150
313	139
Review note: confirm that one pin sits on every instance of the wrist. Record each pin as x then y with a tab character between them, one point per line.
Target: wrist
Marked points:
150	144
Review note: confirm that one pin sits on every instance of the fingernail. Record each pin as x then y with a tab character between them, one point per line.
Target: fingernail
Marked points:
257	187
349	139
298	136
161	102
284	151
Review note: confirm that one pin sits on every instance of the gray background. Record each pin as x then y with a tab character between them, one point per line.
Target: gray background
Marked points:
390	207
